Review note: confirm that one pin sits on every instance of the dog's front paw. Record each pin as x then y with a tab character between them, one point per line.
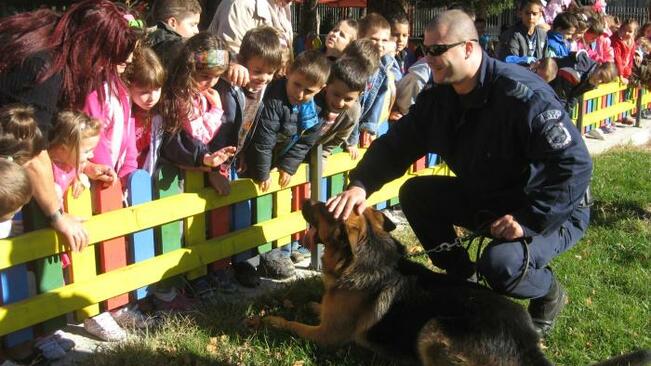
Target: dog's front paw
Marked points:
275	321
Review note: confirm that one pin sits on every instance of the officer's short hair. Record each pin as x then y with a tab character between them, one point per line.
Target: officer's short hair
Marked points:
314	65
525	3
351	71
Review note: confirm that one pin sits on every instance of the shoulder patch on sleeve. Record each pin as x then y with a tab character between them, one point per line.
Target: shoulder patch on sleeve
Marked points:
549	115
519	91
557	136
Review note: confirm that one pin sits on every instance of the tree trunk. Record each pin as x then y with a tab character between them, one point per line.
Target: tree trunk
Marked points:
309	18
387	7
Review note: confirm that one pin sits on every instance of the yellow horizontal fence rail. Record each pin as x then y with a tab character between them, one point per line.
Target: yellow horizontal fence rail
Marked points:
607	104
85	292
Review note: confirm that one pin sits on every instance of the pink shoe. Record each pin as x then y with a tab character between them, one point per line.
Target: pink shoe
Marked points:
180	303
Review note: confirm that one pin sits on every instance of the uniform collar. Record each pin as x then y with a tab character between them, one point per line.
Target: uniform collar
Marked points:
479	95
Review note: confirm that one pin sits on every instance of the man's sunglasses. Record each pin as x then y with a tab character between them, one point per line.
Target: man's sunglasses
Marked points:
439	49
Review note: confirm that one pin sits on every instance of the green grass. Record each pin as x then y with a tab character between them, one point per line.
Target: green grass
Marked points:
606	275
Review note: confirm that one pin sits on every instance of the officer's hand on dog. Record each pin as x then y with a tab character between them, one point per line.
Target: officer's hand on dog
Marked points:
506	228
343	204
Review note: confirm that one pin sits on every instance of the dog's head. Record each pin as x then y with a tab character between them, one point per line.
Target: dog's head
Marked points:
359	251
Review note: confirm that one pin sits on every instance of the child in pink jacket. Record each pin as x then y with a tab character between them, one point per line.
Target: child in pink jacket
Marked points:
117	144
596	41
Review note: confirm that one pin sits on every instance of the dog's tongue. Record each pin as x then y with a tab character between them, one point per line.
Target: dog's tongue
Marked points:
310	240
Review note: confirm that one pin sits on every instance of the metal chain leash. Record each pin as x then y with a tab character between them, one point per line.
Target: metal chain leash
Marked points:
446	247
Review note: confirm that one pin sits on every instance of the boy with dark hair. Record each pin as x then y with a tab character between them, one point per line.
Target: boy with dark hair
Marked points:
563	29
288	125
400	34
525	42
339	102
175	20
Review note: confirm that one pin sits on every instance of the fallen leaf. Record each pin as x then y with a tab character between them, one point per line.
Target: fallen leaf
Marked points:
588	301
211	348
298	363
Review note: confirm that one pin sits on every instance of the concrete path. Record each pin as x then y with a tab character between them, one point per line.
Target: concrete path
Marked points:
623	135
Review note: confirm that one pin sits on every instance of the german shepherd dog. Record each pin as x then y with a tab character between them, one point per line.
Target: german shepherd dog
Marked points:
377	298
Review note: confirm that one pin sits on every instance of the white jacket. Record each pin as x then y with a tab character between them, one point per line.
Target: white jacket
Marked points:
234	18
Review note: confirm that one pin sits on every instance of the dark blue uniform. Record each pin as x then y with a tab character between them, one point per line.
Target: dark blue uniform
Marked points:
514	150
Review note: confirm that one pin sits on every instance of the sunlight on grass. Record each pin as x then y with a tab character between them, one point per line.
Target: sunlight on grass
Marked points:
606	276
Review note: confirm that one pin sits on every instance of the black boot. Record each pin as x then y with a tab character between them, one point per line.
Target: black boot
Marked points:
544	310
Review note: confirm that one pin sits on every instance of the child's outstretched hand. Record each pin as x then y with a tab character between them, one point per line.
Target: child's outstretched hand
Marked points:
219	157
220	183
353	151
238	75
102	173
213	98
265	184
284	178
77	188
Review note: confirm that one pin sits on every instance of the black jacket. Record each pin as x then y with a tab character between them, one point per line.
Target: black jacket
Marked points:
514	42
573	78
19	85
509	142
166	43
271	144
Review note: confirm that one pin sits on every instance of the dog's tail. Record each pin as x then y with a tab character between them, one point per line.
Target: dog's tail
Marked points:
637	358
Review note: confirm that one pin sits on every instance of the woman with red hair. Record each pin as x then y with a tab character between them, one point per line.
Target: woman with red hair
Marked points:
52	62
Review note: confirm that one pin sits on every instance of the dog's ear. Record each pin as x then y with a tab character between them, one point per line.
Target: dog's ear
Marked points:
355	229
377	217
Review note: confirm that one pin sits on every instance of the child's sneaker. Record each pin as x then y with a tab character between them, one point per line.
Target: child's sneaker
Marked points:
131	317
50	348
172	301
274	264
607	129
627	120
246	275
223	281
104	327
66	343
203	289
595	133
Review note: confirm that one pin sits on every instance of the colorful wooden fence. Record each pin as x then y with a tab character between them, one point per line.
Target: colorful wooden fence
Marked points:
166	232
607	104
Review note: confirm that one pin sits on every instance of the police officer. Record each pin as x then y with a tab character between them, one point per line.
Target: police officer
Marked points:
522	169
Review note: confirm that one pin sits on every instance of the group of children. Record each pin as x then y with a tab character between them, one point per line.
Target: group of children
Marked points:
575	48
173	104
